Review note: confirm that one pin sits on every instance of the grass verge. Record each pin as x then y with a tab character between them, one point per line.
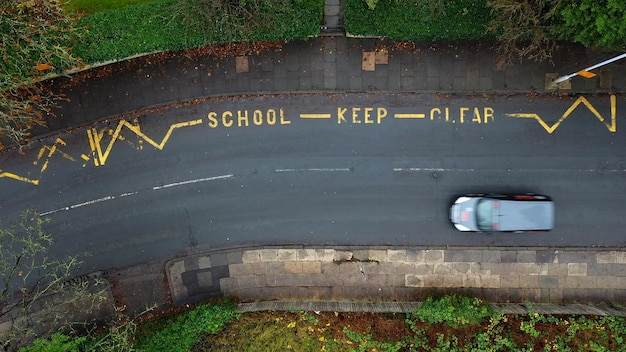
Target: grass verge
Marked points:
450	323
89	7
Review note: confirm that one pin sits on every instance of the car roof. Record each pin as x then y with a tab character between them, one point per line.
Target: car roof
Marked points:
525	215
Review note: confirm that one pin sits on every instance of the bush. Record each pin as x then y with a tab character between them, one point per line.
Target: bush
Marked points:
182	331
594	23
418	20
171	25
56	343
134	29
453	310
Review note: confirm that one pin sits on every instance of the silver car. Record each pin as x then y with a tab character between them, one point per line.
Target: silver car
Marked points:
503	213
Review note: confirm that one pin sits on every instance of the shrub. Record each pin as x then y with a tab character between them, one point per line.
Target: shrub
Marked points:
182	331
418	20
594	23
56	343
453	310
170	25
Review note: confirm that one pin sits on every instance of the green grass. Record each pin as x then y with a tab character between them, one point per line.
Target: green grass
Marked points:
89	7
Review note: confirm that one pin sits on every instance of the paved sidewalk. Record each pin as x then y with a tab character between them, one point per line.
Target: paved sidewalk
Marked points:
327	64
381	274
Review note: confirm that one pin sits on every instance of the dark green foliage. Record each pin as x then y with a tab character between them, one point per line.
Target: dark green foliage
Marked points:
220	21
56	343
180	332
594	23
418	20
453	310
134	29
92	6
170	25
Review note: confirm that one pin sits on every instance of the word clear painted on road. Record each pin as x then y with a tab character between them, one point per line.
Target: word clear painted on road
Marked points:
463	114
103	140
376	115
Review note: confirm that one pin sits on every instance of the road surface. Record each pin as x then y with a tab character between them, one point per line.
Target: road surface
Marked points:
359	169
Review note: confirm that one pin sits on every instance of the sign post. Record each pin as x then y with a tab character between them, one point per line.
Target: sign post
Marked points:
585	72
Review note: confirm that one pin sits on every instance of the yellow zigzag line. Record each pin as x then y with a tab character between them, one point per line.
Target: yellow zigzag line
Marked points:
612	127
19	178
95	138
51	151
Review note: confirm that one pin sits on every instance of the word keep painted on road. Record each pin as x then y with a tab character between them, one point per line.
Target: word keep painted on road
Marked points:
376	115
103	140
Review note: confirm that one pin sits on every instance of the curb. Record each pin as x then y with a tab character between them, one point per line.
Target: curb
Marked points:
408	307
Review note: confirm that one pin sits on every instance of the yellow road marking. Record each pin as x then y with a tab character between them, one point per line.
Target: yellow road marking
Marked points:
95	138
409	116
51	150
612	126
315	116
100	153
19	178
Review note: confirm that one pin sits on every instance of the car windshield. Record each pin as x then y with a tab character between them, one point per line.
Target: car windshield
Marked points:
486	213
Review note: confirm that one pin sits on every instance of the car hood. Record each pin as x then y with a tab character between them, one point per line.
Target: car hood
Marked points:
465	214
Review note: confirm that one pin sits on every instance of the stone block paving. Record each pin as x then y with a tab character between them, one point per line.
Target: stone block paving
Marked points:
401	274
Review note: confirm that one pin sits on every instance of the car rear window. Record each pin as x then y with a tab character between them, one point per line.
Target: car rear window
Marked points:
487	214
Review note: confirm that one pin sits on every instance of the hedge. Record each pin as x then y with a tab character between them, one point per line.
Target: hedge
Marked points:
414	20
152	26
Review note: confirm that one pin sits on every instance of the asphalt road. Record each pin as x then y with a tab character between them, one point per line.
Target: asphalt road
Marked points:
314	169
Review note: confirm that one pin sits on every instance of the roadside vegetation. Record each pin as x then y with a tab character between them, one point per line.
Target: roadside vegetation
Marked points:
89	7
418	20
171	25
38	293
521	29
448	323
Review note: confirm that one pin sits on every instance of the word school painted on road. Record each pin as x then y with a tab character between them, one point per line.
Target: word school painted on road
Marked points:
245	118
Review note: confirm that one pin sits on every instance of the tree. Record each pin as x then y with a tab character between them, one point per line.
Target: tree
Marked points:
37	292
35	39
523	29
594	23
